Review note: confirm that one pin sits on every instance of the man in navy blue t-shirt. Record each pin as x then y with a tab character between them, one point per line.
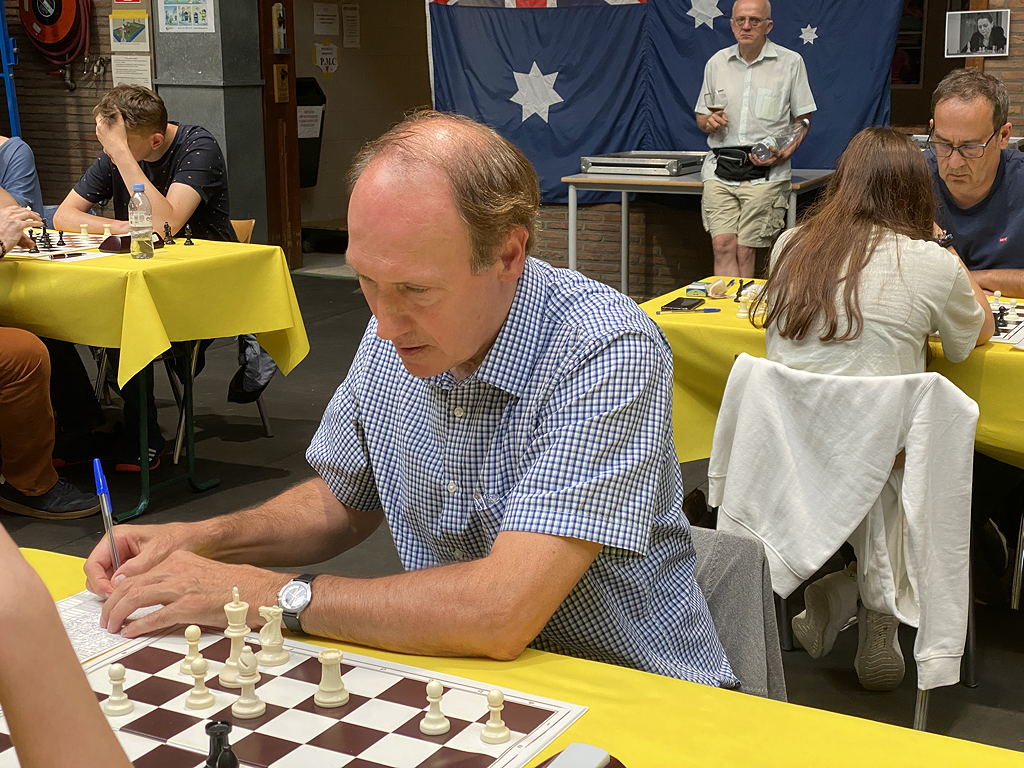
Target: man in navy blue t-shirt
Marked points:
979	186
979	182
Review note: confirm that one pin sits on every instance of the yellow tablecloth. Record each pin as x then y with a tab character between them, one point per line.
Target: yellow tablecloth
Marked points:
704	346
208	290
648	721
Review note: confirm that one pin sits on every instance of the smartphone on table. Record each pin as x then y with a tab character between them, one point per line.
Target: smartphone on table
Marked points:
682	304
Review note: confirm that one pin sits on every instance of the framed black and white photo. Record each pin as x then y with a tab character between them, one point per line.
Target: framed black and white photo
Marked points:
977	33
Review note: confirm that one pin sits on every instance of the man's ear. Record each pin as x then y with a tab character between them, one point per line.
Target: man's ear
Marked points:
1004	135
512	254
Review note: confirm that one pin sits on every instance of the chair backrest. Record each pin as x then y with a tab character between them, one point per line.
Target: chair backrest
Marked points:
732	572
243	229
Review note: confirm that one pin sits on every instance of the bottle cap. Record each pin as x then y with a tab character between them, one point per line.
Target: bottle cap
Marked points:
138	187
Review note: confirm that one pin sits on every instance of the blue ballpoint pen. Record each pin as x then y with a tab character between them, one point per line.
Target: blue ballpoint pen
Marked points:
687	311
105	510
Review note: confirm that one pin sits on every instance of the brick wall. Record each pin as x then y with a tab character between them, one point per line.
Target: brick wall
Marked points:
1010	69
58	123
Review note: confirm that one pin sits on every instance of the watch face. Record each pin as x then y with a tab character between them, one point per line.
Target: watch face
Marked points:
294	596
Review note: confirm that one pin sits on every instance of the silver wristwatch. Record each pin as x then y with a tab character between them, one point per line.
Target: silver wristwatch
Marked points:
293	599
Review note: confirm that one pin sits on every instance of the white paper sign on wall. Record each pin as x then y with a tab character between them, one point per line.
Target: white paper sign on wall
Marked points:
327	57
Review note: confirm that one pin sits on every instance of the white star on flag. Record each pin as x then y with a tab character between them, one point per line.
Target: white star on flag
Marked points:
536	92
704	12
808	34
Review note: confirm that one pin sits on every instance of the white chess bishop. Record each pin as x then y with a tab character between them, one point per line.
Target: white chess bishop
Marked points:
248	705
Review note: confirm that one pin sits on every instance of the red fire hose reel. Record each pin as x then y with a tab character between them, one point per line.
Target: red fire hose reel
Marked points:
58	28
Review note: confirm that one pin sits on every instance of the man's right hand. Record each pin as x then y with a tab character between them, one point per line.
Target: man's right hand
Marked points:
139	547
713	122
14	220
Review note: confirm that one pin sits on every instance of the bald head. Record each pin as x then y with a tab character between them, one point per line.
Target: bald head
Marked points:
492	184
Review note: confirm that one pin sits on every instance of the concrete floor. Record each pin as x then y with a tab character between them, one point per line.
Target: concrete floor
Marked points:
251	467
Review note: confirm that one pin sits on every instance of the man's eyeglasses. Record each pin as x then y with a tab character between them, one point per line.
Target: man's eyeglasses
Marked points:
753	21
967	151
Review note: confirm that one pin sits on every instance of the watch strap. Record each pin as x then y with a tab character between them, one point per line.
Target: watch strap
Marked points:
291	618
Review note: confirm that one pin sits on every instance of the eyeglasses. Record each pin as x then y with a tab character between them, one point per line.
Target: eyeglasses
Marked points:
753	21
967	151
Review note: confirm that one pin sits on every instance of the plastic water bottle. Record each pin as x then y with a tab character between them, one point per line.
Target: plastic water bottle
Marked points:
140	223
763	149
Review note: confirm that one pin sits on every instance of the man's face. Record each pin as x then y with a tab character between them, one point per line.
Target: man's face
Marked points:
984	26
959	122
411	250
747	34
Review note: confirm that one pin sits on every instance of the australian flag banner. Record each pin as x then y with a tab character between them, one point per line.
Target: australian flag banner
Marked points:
566	78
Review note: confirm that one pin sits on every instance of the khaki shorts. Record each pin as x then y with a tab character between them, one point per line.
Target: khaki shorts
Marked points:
755	213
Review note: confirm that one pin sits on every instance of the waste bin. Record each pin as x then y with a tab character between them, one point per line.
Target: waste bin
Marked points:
311	103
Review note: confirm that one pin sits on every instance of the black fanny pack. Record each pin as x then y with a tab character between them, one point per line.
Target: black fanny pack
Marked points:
734	165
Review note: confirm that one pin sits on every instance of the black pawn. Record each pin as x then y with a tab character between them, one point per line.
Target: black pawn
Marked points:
168	237
220	755
188	235
35	246
60	240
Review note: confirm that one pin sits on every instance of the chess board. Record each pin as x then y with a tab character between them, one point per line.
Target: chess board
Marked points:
1013	330
378	727
73	243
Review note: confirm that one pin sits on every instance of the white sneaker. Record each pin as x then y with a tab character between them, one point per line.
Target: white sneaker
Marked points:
831	603
879	660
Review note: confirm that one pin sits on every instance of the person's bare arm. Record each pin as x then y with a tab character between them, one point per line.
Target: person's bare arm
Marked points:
52	713
6	198
73	212
1009	282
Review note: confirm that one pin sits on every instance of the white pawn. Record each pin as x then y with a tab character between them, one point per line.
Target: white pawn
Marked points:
272	652
83	229
192	635
494	731
248	704
331	692
200	696
106	230
434	723
118	702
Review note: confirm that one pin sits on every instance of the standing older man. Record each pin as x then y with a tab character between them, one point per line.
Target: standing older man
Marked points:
765	87
979	186
511	421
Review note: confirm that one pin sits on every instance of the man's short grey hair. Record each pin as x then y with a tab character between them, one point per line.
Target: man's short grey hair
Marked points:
971	84
767	8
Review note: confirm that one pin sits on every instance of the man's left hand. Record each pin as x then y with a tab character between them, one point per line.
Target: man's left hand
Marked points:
191	589
113	136
775	158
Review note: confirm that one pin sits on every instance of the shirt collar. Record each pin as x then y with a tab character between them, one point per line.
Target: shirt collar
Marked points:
508	364
768	51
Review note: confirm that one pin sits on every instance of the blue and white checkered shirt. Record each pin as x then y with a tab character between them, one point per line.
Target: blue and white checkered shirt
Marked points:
564	429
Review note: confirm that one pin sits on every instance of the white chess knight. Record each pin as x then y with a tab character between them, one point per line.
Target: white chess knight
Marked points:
118	702
236	611
272	652
495	731
248	704
331	692
192	635
200	697
434	723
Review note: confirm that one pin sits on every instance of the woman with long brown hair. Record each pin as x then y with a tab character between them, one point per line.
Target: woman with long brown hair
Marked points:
856	290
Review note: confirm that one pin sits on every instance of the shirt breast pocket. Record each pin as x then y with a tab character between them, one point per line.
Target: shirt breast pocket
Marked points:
768	104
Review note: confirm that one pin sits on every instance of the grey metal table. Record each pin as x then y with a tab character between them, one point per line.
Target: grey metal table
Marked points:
686	184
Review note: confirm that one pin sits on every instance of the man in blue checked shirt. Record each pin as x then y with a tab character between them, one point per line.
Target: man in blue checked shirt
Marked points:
511	421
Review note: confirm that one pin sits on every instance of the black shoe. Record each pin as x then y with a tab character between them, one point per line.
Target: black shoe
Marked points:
129	461
62	502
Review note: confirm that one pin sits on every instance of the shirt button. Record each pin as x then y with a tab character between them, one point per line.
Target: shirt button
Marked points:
459	412
453	487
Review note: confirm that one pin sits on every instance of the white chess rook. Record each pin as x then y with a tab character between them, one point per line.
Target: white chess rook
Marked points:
236	611
331	692
118	702
434	723
200	696
494	731
272	652
248	704
192	635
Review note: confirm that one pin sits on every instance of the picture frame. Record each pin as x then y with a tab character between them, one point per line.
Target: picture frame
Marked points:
977	33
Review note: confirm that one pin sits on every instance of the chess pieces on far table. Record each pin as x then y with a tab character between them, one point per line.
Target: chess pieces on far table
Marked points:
272	652
118	702
495	731
168	236
236	611
331	692
248	705
434	723
200	697
192	635
188	235
220	755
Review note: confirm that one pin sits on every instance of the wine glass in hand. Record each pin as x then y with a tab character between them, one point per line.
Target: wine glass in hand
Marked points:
716	101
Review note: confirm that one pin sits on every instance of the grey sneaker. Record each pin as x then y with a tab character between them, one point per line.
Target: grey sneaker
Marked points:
62	502
879	660
831	604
